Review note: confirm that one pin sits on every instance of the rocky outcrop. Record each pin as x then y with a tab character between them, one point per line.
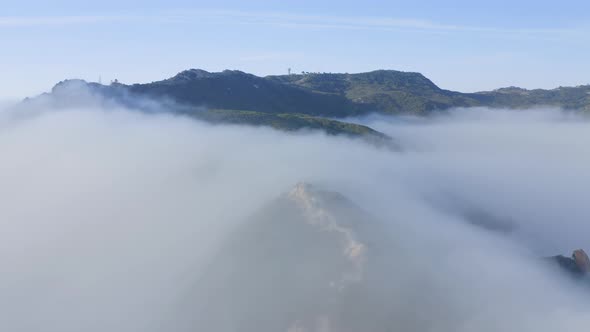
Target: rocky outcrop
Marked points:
581	259
578	265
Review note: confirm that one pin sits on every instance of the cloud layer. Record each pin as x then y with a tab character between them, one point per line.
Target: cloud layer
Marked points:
109	215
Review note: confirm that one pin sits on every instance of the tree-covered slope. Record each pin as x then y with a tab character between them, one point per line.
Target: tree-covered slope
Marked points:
239	90
386	91
287	122
395	92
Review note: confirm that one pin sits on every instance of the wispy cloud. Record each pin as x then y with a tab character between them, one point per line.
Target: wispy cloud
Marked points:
378	23
23	21
288	20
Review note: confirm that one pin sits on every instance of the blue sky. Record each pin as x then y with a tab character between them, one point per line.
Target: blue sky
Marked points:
460	45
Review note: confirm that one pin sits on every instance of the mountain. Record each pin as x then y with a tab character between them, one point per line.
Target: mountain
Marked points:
324	95
569	98
395	92
337	95
197	94
307	261
385	91
342	95
312	260
310	100
237	90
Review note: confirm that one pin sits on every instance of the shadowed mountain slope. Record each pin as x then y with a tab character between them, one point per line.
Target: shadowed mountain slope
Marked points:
307	261
311	260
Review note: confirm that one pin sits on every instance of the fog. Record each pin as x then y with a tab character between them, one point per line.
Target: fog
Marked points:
109	215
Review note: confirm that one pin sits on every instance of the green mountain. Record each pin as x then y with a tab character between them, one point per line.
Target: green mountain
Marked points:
341	95
309	100
384	91
395	92
333	95
236	90
569	98
289	122
201	95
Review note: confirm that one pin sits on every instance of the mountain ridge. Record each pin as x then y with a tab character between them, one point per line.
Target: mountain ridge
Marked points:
309	257
309	100
344	95
76	93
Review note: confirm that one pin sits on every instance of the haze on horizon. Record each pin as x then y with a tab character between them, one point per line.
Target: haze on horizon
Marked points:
463	46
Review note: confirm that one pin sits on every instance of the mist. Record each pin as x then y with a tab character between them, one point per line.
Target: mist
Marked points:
109	215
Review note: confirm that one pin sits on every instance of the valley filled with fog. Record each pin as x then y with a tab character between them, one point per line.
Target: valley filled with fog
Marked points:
110	217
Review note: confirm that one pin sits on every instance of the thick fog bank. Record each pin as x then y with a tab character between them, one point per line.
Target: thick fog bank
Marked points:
108	216
526	168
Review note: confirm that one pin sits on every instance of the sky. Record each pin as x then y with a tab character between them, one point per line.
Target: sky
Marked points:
460	45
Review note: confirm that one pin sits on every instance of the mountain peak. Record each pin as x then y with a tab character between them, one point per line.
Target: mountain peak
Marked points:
511	89
314	269
69	84
191	74
302	193
319	209
197	74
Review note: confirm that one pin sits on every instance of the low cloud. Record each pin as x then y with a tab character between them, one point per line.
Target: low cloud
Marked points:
109	215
